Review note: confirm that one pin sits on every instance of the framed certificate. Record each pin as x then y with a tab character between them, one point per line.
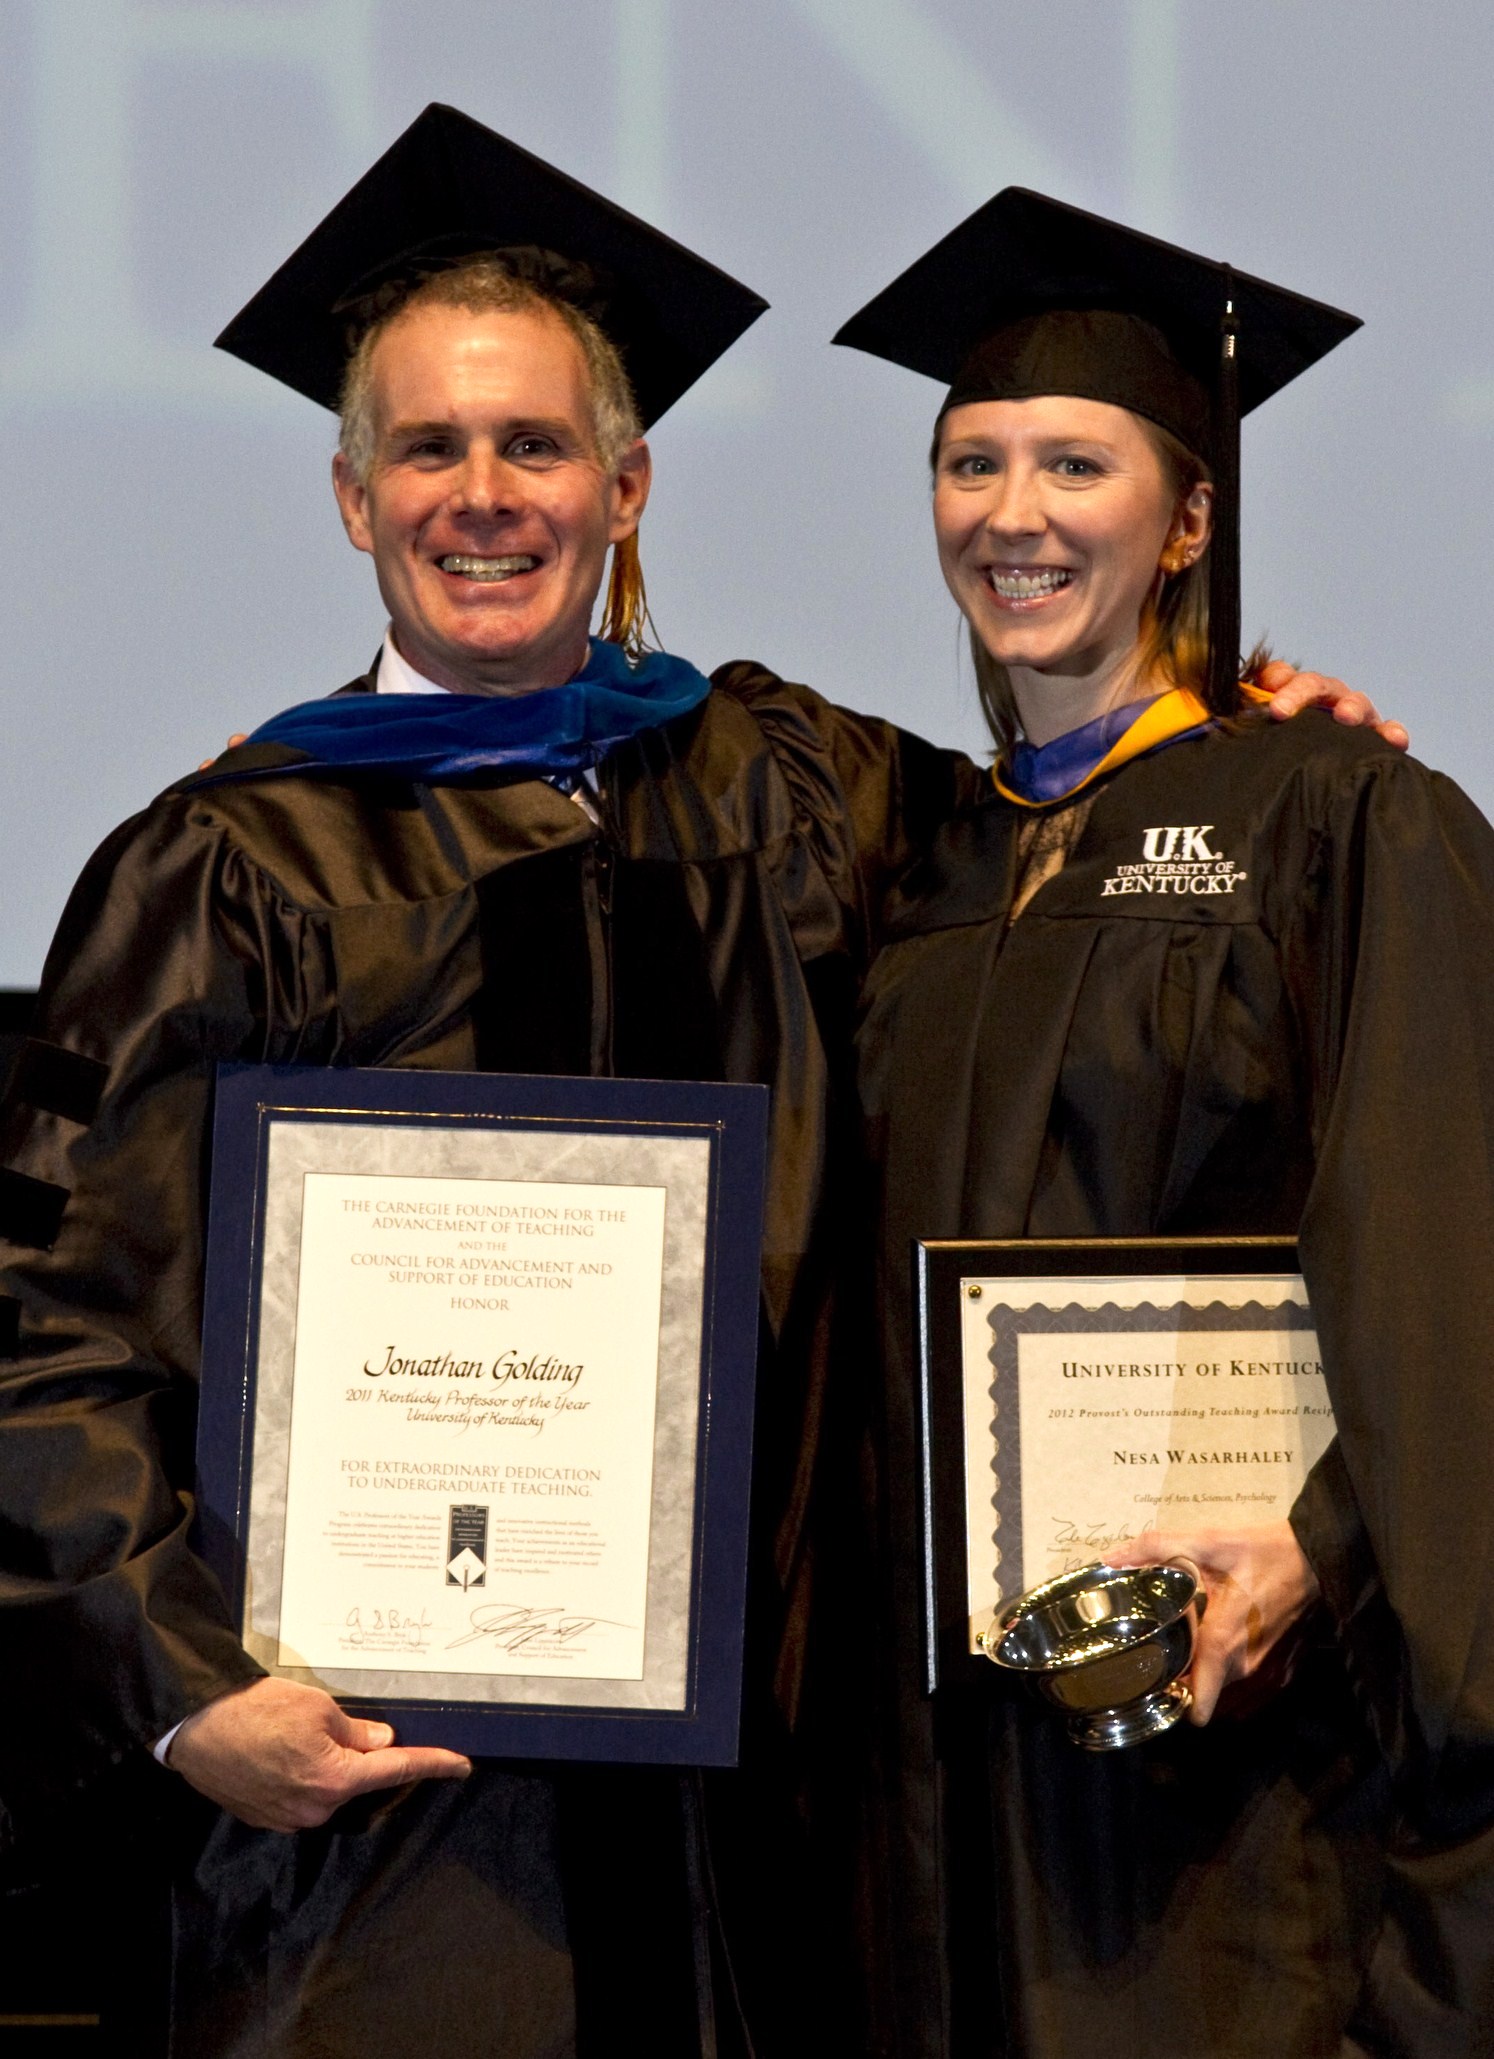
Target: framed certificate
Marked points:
1077	1391
477	1401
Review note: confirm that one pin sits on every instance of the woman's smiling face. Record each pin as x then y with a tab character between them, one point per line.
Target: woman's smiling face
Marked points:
1051	517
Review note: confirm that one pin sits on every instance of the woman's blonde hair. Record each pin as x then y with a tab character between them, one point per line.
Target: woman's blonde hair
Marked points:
491	284
1174	621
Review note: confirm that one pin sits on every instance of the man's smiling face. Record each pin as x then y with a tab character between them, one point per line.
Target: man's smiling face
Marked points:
487	509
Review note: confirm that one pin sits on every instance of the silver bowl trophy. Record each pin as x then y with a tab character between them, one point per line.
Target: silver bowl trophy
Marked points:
1107	1645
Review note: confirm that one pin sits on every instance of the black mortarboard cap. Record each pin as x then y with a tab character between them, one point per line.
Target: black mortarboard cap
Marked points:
1029	296
449	188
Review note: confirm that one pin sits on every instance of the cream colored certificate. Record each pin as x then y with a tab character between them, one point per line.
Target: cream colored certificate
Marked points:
475	1413
1097	1408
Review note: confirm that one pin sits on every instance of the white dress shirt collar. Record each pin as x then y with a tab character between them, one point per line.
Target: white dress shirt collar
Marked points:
397	675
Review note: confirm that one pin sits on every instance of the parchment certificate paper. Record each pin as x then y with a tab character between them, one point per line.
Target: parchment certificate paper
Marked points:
1096	1408
476	1412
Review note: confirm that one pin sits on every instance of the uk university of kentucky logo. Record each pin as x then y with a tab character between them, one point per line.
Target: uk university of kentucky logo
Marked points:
1176	858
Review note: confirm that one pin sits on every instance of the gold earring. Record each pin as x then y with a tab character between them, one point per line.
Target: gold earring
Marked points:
1177	557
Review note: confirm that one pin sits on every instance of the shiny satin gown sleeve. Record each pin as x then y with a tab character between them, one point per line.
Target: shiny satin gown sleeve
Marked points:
1390	950
866	799
160	969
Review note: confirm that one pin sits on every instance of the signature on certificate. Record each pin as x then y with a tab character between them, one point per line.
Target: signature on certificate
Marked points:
513	1627
1081	1542
386	1629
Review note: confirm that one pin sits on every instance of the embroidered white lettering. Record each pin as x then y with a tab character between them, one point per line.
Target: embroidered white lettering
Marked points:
1176	859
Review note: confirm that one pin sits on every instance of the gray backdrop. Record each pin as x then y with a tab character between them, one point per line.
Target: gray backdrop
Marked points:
173	565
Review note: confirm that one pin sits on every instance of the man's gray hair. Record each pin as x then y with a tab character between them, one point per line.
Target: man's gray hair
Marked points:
486	285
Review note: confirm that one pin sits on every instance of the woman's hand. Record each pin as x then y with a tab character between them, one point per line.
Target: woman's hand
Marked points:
1259	1584
241	736
1292	691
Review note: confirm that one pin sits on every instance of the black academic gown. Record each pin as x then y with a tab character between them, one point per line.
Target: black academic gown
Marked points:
712	928
1306	1047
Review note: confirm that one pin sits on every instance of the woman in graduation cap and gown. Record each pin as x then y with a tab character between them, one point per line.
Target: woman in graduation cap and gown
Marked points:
1185	972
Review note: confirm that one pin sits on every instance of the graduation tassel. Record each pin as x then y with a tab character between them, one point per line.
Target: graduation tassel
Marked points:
625	616
1224	550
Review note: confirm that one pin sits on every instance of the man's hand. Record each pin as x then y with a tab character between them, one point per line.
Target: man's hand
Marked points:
281	1756
1292	691
1258	1584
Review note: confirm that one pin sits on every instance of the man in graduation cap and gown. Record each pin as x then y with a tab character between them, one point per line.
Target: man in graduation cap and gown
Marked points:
1088	1020
508	847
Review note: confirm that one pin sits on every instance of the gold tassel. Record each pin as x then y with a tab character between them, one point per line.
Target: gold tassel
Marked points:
626	612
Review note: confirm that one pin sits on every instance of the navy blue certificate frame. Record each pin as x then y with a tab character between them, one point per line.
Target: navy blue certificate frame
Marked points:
939	1269
251	1102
